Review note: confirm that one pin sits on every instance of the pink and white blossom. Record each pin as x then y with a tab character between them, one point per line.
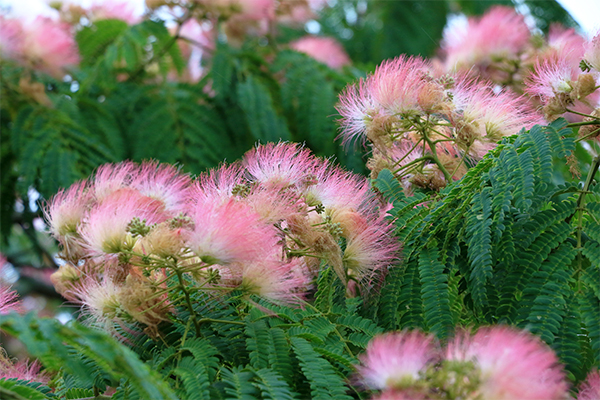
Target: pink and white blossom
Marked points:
323	49
395	360
590	388
513	364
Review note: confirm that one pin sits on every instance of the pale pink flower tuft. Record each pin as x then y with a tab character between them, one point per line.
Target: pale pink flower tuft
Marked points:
396	84
590	388
229	232
218	182
370	246
513	364
500	34
550	78
494	114
114	9
23	370
338	189
274	278
323	49
165	183
566	43
50	46
9	299
66	209
11	38
280	165
394	360
357	108
111	177
592	52
105	231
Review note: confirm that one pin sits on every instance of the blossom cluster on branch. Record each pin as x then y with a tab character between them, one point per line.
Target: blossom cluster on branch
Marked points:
429	121
265	226
495	363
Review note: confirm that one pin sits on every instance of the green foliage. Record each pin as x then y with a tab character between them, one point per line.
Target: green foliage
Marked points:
521	249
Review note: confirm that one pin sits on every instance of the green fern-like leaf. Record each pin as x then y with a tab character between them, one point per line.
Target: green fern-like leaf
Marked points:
324	382
434	292
194	376
272	386
265	124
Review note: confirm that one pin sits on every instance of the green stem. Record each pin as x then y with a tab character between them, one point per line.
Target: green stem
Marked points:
579	113
188	301
581	203
593	133
574	124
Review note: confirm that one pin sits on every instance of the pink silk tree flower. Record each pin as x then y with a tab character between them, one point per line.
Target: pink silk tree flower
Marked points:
114	9
109	178
164	183
229	232
550	78
50	46
9	299
500	33
11	38
23	370
396	84
280	165
590	388
566	43
358	109
66	209
396	360
106	228
323	49
274	278
512	364
592	52
218	182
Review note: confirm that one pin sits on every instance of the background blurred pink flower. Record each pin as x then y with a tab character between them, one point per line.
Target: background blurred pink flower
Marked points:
323	49
513	364
49	46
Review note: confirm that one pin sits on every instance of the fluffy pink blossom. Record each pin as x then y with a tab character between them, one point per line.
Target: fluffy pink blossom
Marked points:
105	231
590	388
274	278
66	209
396	84
11	38
280	165
229	232
513	364
370	246
592	52
165	183
112	177
49	46
218	182
24	370
496	114
114	9
9	299
357	108
394	360
323	49
566	43
550	78
500	33
337	189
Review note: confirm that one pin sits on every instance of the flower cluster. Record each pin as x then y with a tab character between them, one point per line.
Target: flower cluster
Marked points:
42	44
428	121
496	363
9	301
265	226
428	129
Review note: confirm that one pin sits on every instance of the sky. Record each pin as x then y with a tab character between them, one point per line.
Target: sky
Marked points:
586	12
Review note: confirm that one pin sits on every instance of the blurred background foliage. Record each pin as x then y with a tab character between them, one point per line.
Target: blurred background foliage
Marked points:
122	104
